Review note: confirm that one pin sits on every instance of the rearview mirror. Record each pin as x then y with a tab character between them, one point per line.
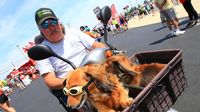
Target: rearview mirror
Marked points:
40	52
105	14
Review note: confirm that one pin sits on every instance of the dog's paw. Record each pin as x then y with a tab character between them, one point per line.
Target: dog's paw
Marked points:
127	102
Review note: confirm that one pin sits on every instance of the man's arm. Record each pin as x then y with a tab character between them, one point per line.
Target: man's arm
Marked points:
163	3
160	6
52	81
98	45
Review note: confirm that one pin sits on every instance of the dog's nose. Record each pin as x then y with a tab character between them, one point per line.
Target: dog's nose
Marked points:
68	105
71	106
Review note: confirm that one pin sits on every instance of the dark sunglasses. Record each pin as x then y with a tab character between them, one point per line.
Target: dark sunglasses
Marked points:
46	23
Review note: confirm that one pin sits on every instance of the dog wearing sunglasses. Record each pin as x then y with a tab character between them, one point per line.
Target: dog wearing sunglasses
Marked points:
93	83
130	73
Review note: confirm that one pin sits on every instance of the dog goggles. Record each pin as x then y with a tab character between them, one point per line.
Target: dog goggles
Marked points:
47	22
73	91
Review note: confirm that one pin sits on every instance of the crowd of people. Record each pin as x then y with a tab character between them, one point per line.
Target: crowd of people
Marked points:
20	78
119	24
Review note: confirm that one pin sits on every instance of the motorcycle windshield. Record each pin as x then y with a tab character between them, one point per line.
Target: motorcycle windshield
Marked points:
96	56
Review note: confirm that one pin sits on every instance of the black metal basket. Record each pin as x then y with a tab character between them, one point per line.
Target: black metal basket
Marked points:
162	92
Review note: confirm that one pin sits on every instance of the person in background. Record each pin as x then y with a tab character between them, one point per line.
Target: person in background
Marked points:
87	31
112	28
123	22
71	44
166	7
16	77
117	26
4	102
192	13
152	9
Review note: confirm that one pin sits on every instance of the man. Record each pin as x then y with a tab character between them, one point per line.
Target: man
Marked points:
166	7
71	44
192	13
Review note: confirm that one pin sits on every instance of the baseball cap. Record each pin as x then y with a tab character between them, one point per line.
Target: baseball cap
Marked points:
43	14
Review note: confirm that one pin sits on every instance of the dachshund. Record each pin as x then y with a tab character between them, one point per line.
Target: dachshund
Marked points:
93	83
131	73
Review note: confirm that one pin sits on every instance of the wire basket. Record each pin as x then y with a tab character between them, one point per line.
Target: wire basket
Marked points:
163	91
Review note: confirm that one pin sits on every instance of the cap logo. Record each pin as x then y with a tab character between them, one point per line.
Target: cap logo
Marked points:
43	12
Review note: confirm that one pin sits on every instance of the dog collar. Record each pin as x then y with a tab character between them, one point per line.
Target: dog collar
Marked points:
85	88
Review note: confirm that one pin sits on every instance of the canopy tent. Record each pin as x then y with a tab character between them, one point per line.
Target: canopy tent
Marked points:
25	66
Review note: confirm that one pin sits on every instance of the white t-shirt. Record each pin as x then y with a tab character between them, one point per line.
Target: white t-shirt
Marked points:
73	47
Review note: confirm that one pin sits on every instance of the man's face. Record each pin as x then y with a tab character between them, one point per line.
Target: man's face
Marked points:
52	30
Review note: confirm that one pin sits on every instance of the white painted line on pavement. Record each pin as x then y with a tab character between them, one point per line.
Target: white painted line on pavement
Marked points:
172	110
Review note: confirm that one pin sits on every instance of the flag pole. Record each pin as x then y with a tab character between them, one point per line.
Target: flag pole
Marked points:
21	51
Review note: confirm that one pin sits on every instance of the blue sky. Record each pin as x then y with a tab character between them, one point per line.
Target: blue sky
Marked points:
17	23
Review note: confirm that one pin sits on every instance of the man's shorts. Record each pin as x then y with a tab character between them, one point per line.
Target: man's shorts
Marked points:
3	98
170	14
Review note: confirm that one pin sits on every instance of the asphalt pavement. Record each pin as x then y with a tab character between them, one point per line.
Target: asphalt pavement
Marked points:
37	98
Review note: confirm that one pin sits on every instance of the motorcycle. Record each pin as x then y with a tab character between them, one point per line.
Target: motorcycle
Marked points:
159	95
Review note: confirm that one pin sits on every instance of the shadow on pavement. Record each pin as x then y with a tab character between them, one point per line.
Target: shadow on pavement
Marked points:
183	21
158	29
161	40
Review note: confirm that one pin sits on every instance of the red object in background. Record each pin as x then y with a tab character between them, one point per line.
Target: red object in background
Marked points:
181	1
20	69
28	46
22	77
34	76
114	12
15	72
27	64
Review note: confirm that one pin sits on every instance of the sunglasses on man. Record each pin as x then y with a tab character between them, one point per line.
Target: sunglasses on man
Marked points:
48	22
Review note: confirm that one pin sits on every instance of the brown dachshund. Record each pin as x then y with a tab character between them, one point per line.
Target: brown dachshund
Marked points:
130	73
92	82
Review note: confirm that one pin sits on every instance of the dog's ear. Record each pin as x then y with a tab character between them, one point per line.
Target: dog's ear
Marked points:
95	70
99	74
122	63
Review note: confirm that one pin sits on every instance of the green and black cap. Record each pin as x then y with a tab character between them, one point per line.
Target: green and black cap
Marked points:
43	14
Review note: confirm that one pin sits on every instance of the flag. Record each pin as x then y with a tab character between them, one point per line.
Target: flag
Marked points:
114	12
28	46
31	44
